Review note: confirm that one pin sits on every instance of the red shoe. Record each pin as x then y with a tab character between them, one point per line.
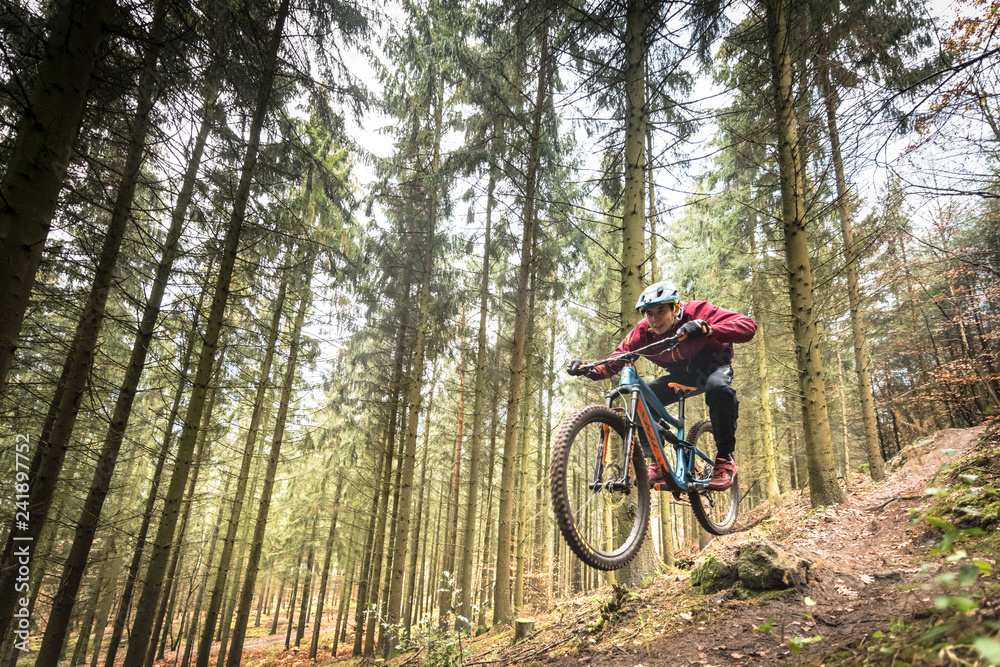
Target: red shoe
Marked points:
655	475
723	473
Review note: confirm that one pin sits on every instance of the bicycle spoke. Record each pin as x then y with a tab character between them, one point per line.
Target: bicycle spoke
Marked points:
604	525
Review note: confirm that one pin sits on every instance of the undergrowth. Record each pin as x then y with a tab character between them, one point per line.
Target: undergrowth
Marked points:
960	574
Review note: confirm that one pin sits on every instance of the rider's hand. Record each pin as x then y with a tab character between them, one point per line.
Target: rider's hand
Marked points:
694	329
574	368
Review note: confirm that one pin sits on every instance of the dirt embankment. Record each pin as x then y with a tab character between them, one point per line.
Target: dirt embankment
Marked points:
859	558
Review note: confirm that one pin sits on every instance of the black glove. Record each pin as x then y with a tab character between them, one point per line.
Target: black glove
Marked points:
574	368
694	329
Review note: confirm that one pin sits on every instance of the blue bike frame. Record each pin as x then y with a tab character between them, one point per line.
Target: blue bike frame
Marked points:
648	428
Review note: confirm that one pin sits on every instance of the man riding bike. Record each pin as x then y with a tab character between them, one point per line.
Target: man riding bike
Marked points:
702	359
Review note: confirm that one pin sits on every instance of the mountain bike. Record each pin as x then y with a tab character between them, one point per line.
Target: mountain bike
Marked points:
597	465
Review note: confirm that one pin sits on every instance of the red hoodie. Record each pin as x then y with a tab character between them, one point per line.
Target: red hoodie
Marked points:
692	354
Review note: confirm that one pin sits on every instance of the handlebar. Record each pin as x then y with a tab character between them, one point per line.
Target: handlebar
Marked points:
631	356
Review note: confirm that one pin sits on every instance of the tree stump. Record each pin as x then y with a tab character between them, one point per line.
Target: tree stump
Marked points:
523	629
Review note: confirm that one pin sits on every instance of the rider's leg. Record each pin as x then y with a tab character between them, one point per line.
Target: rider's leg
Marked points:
723	409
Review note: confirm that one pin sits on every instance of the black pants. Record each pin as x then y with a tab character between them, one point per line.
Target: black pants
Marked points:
720	397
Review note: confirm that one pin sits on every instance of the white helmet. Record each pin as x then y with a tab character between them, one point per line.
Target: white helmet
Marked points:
657	293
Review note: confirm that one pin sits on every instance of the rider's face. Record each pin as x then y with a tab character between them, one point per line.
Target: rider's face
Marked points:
660	317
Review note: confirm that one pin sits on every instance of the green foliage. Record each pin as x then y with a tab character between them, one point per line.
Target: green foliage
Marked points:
766	627
796	644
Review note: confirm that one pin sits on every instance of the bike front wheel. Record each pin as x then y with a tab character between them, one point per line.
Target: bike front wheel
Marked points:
715	510
604	522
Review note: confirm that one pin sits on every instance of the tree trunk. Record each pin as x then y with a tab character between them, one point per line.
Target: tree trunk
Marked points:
108	570
634	210
378	553
277	606
125	603
144	616
361	608
984	379
484	581
414	572
502	612
666	529
823	486
479	384
391	547
62	606
51	451
392	613
843	417
229	541
38	162
245	605
448	578
344	610
193	627
646	561
861	361
327	560
175	551
545	541
763	385
654	269
300	631
520	545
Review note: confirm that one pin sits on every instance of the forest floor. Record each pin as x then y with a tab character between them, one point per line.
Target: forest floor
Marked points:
872	591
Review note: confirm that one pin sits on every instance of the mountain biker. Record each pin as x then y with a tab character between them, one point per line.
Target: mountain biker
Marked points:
702	359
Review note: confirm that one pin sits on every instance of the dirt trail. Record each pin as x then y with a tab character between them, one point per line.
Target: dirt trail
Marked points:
858	555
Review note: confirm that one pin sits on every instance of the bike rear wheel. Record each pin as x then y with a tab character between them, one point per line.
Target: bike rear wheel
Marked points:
603	526
715	510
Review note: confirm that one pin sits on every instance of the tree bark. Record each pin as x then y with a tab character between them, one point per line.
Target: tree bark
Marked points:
37	166
484	581
125	603
843	417
364	576
448	578
646	561
175	551
823	486
300	631
414	572
209	560
395	388
392	613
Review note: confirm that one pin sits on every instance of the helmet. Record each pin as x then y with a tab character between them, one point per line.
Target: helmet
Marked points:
657	293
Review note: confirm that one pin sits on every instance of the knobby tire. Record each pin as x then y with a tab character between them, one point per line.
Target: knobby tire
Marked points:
715	510
572	462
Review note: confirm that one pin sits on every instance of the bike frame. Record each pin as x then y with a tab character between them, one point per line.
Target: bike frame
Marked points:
643	412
